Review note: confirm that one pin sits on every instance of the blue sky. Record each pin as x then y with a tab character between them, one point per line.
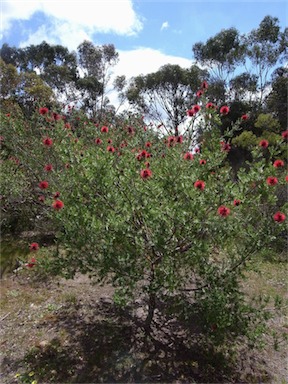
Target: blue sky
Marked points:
146	33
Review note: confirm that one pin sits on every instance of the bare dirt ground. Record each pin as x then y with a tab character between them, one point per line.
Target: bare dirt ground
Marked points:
70	331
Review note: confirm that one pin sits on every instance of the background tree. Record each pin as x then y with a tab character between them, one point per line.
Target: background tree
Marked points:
166	95
95	63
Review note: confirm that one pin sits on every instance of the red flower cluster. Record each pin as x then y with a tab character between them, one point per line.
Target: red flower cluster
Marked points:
56	195
43	184
279	217
188	156
110	149
271	180
224	110
31	263
43	110
278	163
264	143
57	204
284	134
225	146
202	162
143	155
98	141
204	85
104	129
48	167
210	106
179	139
34	247
244	117
223	211
199	184
236	202
47	141
195	109
199	93
146	173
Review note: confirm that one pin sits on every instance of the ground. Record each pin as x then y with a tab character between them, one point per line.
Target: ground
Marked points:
70	331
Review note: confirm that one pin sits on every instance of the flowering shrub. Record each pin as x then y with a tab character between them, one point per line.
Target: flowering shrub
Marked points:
174	227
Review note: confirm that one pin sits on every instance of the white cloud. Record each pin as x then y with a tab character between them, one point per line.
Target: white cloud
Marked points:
74	18
165	25
145	60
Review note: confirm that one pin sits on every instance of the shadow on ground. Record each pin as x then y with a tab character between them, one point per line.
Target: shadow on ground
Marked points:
104	344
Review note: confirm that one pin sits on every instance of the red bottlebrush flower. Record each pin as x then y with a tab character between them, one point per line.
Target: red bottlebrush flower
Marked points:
223	211
144	154
104	129
199	184
109	141
47	141
131	130
147	164
225	146
210	106
148	144
285	135
224	110
48	167
56	195
264	143
197	150
8	115
41	199
188	156
34	247
146	173
31	263
196	108
278	163
286	178
271	180
190	112
110	149
204	85
43	110
202	162
56	116
170	141
199	93
279	217
67	126
57	204
236	202
98	141
179	139
43	184
244	117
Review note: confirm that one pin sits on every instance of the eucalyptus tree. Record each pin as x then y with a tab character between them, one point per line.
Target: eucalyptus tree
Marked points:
266	47
95	64
166	95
